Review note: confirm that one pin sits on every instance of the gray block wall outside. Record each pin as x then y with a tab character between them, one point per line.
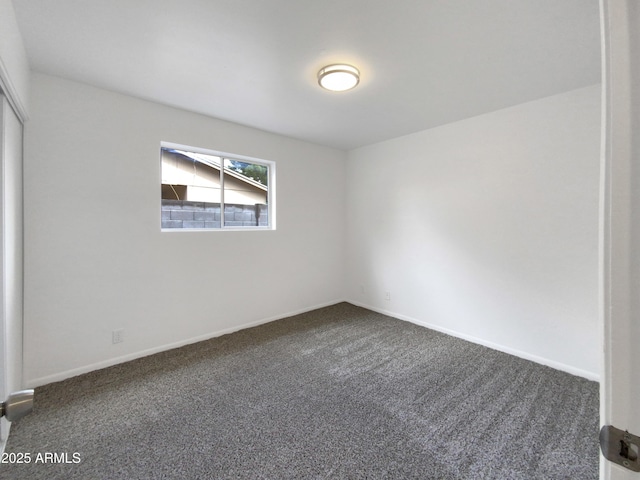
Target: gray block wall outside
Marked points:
263	210
186	214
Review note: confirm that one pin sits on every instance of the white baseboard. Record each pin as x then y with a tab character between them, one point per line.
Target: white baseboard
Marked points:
511	351
37	382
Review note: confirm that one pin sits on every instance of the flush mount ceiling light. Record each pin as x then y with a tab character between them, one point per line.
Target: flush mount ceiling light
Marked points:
339	77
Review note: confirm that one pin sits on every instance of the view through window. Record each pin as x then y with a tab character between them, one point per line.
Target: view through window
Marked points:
215	191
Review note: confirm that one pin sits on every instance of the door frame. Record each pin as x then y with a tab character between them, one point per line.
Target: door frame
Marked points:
11	249
619	282
4	426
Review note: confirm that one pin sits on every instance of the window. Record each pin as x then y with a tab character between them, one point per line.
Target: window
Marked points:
212	190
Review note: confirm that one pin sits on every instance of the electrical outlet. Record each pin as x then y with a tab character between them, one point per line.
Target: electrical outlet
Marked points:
117	336
361	289
387	296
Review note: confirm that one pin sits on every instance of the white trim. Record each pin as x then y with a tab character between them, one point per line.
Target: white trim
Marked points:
604	234
225	229
479	341
619	225
5	425
37	382
6	86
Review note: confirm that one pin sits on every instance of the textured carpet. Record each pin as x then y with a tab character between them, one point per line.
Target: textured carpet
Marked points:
339	392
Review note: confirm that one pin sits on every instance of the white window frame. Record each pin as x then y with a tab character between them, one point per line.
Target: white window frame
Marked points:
271	188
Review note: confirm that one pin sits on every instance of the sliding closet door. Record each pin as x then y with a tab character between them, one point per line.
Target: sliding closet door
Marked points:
4	374
11	259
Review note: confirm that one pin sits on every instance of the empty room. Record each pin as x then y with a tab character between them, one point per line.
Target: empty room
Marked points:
293	239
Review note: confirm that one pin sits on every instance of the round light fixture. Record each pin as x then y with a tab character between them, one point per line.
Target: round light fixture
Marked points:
339	77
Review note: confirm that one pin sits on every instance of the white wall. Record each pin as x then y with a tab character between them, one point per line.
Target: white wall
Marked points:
96	260
486	228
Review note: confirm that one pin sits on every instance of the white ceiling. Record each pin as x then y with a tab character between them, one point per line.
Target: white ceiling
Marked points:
424	62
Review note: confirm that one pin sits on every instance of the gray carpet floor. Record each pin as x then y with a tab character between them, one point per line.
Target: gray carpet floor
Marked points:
340	392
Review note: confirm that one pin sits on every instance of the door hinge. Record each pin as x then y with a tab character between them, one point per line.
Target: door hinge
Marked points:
620	447
17	405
